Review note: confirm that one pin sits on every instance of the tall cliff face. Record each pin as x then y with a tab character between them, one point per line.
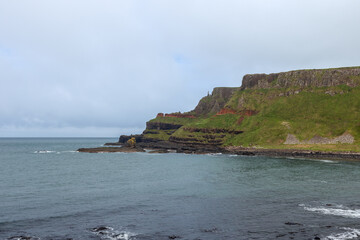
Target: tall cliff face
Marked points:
213	103
304	78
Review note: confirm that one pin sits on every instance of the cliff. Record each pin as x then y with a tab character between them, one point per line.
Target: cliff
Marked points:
303	109
304	78
213	103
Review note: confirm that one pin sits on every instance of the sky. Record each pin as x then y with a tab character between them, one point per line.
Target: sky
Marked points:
102	68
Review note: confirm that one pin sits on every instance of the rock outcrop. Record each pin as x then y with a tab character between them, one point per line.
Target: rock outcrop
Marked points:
304	78
344	138
213	103
162	126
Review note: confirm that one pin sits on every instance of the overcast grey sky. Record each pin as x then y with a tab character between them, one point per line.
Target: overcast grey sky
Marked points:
105	67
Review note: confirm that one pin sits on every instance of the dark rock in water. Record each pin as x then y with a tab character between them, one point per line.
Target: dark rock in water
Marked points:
209	230
293	223
280	235
22	238
111	149
173	237
317	238
328	204
99	229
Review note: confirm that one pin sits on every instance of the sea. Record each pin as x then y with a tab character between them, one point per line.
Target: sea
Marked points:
48	190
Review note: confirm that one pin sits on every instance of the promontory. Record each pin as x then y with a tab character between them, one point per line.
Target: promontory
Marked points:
297	113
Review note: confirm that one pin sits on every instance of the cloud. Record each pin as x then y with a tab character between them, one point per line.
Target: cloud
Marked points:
115	64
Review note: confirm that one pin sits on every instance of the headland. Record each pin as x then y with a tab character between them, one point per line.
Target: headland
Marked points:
303	113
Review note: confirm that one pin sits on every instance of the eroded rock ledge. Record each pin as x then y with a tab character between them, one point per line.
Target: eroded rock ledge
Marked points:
344	138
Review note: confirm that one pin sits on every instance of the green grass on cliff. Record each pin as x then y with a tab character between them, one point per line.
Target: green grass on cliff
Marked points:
326	112
158	134
173	120
313	112
226	121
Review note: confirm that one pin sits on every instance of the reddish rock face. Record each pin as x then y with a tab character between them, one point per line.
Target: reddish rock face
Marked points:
248	113
231	111
160	115
226	111
242	113
179	115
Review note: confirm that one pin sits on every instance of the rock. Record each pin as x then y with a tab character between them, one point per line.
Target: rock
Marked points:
303	78
159	151
162	126
344	138
209	230
125	138
293	223
111	149
213	103
173	237
98	229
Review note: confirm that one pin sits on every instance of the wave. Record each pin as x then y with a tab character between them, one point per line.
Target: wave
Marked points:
57	152
336	210
328	161
23	238
45	151
350	233
214	154
105	232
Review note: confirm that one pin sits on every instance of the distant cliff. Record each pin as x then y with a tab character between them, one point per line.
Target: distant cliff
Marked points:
303	109
304	78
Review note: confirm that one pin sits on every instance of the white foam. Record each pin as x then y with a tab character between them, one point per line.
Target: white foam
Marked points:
44	151
337	210
214	154
328	161
350	233
111	234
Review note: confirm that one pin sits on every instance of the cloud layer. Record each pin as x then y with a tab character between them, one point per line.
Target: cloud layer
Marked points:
102	68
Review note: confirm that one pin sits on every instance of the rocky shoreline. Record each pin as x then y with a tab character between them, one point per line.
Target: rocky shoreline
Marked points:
153	146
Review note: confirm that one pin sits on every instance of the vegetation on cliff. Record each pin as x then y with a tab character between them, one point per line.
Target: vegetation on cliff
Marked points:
267	109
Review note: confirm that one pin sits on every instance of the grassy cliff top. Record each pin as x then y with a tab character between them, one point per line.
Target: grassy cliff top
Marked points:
308	105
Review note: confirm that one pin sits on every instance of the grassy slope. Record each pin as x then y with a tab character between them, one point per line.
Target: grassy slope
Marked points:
309	113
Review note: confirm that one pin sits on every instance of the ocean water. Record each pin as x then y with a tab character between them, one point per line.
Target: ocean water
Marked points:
50	191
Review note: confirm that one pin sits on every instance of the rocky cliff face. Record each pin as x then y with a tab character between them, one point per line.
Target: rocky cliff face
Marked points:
304	78
213	103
